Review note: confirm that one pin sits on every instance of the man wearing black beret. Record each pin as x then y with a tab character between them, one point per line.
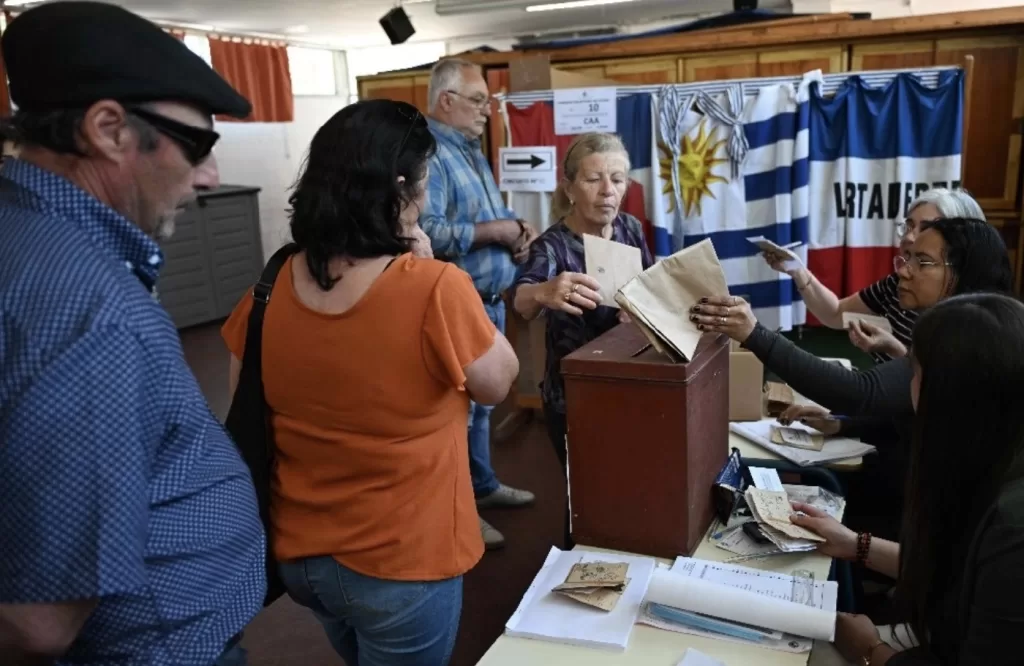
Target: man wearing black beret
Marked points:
129	531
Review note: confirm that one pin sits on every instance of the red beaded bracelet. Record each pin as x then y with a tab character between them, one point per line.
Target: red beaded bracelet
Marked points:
863	547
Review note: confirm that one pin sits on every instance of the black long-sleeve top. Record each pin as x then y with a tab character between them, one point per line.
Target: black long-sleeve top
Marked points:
876	398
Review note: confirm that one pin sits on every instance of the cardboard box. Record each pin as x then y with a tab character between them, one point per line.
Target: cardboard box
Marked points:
535	72
746	386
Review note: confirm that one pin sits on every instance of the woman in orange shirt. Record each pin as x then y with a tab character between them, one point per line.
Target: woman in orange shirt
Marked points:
371	355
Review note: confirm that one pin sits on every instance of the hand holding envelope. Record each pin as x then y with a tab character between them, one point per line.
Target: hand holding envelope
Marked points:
658	299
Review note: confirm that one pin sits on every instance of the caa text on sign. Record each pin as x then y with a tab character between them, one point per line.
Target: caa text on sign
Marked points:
579	110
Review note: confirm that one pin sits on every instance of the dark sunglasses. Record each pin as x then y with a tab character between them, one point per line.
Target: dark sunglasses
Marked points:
196	142
415	119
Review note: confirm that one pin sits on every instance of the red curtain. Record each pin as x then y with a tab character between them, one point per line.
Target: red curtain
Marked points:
5	95
259	71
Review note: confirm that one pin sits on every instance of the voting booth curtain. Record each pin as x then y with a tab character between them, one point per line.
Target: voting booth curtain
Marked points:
779	158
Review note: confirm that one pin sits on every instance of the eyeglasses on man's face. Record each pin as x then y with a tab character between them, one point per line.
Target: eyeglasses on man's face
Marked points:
195	142
915	263
477	100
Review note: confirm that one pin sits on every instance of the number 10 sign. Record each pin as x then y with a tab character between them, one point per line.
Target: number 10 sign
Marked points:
579	110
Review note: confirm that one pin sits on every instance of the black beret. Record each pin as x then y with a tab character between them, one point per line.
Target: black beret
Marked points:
65	55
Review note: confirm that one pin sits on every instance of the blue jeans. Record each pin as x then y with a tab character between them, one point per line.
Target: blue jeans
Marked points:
485	481
374	622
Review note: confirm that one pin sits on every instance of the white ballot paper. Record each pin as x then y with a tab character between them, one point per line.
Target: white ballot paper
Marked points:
765	245
660	298
747	606
874	320
612	264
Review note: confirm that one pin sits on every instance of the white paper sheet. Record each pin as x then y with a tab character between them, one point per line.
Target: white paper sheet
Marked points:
766	478
612	264
545	615
792	261
700	595
836	448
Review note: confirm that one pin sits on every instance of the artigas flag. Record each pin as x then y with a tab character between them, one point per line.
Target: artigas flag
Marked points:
874	149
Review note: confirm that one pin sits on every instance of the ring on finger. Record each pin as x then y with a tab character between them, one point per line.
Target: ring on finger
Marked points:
575	288
721	321
567	296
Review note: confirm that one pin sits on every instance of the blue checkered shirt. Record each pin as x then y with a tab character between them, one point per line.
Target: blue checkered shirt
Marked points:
116	482
460	193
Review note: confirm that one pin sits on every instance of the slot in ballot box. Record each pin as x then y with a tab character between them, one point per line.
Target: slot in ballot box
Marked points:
646	439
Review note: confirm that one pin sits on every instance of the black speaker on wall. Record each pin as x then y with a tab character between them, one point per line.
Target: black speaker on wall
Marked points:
397	26
744	5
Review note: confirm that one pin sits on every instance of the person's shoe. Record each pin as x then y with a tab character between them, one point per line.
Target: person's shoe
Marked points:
505	496
493	539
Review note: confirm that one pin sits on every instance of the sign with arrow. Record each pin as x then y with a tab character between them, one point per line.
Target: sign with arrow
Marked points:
527	169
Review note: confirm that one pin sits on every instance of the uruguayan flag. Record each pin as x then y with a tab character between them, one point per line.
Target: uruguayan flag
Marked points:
732	168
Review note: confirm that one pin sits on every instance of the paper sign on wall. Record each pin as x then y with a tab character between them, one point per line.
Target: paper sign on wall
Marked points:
579	110
527	169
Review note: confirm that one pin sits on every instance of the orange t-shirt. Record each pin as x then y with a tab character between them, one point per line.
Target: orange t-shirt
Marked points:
369	415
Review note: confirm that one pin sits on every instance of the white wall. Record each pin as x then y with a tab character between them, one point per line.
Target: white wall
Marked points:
269	155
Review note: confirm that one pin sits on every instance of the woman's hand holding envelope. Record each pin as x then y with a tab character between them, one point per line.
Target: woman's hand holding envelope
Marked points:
724	314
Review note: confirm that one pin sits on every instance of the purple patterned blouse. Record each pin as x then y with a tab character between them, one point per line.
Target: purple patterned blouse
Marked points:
557	250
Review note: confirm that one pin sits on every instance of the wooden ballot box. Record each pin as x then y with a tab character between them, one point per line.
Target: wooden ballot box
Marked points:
646	439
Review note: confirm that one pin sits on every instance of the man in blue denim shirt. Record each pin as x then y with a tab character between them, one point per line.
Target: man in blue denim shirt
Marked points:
468	223
129	533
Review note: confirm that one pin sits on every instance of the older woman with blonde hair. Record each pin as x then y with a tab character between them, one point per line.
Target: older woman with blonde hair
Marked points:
554	280
880	298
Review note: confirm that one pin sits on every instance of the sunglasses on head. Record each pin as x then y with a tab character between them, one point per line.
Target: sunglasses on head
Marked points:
415	119
196	142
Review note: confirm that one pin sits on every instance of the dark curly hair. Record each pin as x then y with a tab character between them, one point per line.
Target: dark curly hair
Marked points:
348	198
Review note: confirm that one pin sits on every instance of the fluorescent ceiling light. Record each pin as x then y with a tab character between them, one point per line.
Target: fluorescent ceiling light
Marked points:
574	4
19	3
297	29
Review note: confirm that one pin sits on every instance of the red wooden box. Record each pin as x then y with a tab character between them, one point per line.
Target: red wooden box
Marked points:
646	439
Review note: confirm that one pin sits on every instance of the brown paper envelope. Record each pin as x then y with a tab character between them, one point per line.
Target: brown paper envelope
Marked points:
598	573
797	438
612	264
666	291
602	598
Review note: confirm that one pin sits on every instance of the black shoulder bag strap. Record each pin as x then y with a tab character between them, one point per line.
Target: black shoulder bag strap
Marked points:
248	419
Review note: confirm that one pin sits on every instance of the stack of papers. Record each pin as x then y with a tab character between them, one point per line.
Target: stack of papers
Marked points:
545	614
771	510
659	299
833	449
738	604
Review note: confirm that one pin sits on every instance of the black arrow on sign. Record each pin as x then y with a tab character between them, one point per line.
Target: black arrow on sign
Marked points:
533	161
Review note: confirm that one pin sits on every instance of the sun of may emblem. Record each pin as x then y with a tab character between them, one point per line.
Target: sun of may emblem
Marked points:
697	158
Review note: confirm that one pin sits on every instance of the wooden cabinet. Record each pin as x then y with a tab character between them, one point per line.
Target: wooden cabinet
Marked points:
716	67
992	171
794	62
641	71
408	87
892	55
213	258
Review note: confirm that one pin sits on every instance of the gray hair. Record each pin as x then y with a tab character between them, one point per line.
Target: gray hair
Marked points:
950	203
446	75
584	145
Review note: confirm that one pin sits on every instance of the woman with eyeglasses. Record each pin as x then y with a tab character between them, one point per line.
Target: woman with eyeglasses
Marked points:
959	562
371	355
880	298
949	256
